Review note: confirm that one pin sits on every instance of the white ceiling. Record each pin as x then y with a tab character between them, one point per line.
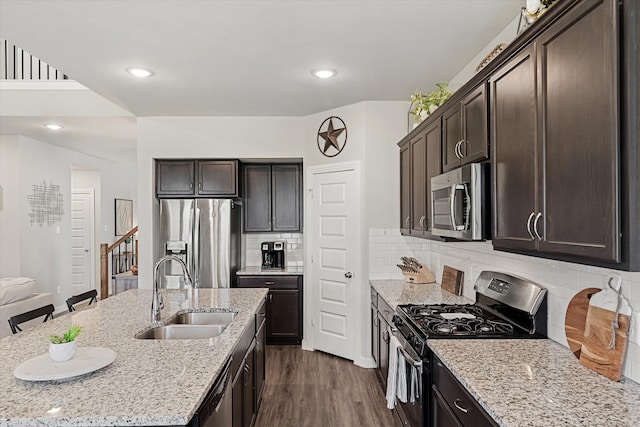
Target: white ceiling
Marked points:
253	58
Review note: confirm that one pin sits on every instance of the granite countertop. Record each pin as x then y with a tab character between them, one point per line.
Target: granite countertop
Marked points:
258	271
151	382
538	382
396	292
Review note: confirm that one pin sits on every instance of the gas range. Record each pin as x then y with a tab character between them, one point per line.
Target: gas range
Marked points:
506	307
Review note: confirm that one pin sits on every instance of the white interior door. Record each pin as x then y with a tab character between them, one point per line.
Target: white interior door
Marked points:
334	238
82	248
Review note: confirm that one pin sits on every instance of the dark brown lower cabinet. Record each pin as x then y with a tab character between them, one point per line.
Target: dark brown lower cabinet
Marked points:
451	403
248	372
284	306
244	405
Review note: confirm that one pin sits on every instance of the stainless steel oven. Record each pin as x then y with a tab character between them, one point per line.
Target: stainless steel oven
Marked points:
459	210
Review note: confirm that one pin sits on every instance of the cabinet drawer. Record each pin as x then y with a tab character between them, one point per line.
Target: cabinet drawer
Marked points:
271	282
461	403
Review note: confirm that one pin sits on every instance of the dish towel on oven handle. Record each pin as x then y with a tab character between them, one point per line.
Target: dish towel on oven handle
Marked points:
392	376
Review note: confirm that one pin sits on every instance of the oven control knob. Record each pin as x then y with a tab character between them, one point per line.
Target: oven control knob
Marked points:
396	320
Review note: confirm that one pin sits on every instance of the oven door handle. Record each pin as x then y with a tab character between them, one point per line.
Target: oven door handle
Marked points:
410	359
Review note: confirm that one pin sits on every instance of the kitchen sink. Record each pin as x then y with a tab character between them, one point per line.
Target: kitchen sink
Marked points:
181	332
203	318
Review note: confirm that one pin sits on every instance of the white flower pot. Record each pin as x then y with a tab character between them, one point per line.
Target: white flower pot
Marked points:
62	352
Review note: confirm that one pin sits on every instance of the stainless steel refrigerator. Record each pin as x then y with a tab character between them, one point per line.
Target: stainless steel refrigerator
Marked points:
206	234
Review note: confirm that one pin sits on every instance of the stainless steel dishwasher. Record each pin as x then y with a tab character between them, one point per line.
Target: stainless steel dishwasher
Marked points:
217	410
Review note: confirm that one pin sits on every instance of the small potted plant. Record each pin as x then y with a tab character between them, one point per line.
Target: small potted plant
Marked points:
63	348
422	105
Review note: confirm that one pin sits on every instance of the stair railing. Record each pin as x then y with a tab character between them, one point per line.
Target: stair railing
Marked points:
123	254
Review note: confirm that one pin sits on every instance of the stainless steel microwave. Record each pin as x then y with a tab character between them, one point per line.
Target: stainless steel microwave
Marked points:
458	203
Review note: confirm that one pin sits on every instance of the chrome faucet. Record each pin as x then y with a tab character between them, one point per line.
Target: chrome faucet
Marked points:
156	302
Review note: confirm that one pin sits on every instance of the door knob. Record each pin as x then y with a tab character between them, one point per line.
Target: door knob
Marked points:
348	275
86	250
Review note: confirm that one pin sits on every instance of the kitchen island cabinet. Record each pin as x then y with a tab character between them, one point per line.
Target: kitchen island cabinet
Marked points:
151	382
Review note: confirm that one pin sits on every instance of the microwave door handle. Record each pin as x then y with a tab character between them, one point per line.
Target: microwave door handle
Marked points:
466	194
452	207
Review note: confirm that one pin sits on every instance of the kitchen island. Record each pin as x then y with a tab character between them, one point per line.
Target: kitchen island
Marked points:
151	382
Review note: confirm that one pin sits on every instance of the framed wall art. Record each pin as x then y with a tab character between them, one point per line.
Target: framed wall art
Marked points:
124	216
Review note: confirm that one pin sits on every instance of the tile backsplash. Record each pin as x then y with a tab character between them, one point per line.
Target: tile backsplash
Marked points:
562	280
294	252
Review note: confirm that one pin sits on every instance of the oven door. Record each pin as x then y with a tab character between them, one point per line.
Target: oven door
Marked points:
411	414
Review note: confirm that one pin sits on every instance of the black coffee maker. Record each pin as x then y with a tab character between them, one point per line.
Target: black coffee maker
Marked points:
272	255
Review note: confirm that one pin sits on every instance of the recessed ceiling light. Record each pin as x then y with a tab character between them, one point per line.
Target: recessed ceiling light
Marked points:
324	73
52	126
139	72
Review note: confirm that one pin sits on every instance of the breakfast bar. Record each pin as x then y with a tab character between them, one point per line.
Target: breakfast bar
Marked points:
150	382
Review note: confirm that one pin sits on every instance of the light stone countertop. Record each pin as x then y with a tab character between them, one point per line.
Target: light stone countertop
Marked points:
258	271
396	292
523	382
538	382
151	382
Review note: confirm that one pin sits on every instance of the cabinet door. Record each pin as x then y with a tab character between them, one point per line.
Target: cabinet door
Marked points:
405	189
418	185
218	178
175	178
282	314
237	397
248	388
514	141
433	136
285	185
260	363
578	110
474	126
375	343
451	137
257	198
383	361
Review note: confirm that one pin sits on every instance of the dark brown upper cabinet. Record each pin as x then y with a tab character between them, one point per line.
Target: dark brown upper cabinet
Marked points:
420	161
197	178
465	138
272	197
555	140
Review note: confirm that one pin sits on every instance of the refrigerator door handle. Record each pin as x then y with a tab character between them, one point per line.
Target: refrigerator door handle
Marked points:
196	245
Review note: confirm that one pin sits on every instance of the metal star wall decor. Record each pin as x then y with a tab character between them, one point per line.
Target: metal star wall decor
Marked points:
334	138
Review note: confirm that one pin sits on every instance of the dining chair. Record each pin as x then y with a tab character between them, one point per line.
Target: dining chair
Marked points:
46	311
90	295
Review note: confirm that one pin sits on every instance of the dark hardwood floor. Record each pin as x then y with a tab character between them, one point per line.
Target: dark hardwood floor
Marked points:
311	388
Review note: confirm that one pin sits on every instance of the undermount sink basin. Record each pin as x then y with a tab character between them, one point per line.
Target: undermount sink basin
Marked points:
203	318
182	332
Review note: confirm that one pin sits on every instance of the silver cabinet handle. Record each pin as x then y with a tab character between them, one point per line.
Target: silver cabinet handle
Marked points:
457	403
348	275
422	222
535	225
456	149
406	222
529	225
459	148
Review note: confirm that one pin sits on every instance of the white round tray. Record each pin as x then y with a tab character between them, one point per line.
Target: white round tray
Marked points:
42	368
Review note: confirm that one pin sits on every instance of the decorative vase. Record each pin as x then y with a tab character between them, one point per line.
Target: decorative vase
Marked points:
62	352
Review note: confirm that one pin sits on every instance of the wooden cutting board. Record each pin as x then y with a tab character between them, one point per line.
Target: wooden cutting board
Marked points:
595	353
452	280
576	318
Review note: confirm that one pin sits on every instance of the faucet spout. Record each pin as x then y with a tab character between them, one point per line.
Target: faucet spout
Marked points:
157	304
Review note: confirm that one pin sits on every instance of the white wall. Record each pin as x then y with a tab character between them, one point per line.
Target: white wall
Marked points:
40	251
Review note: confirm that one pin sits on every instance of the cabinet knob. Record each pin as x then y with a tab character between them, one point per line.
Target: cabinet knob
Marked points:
348	275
